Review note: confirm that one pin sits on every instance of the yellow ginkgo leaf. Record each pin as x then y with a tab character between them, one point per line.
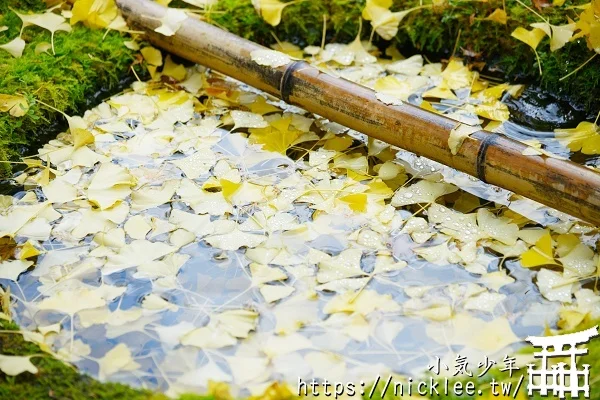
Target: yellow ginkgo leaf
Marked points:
16	106
228	188
94	13
80	134
559	35
542	253
571	319
42	47
12	269
585	138
457	75
496	111
28	250
15	47
270	10
245	119
492	93
392	86
338	143
531	38
384	21
15	365
355	162
421	192
459	134
173	69
288	48
357	202
51	22
555	286
152	56
72	301
278	136
498	15
260	106
111	184
153	196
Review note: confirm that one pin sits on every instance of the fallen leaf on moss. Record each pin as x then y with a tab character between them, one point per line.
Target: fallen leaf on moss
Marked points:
270	10
50	21
385	22
498	15
531	38
559	35
15	365
16	106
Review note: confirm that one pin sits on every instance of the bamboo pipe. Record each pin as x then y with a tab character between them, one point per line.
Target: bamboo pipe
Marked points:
491	157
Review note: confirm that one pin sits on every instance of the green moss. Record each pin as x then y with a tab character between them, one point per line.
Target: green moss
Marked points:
86	62
435	33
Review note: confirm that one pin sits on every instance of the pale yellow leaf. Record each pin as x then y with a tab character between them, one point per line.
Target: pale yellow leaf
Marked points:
15	47
15	365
